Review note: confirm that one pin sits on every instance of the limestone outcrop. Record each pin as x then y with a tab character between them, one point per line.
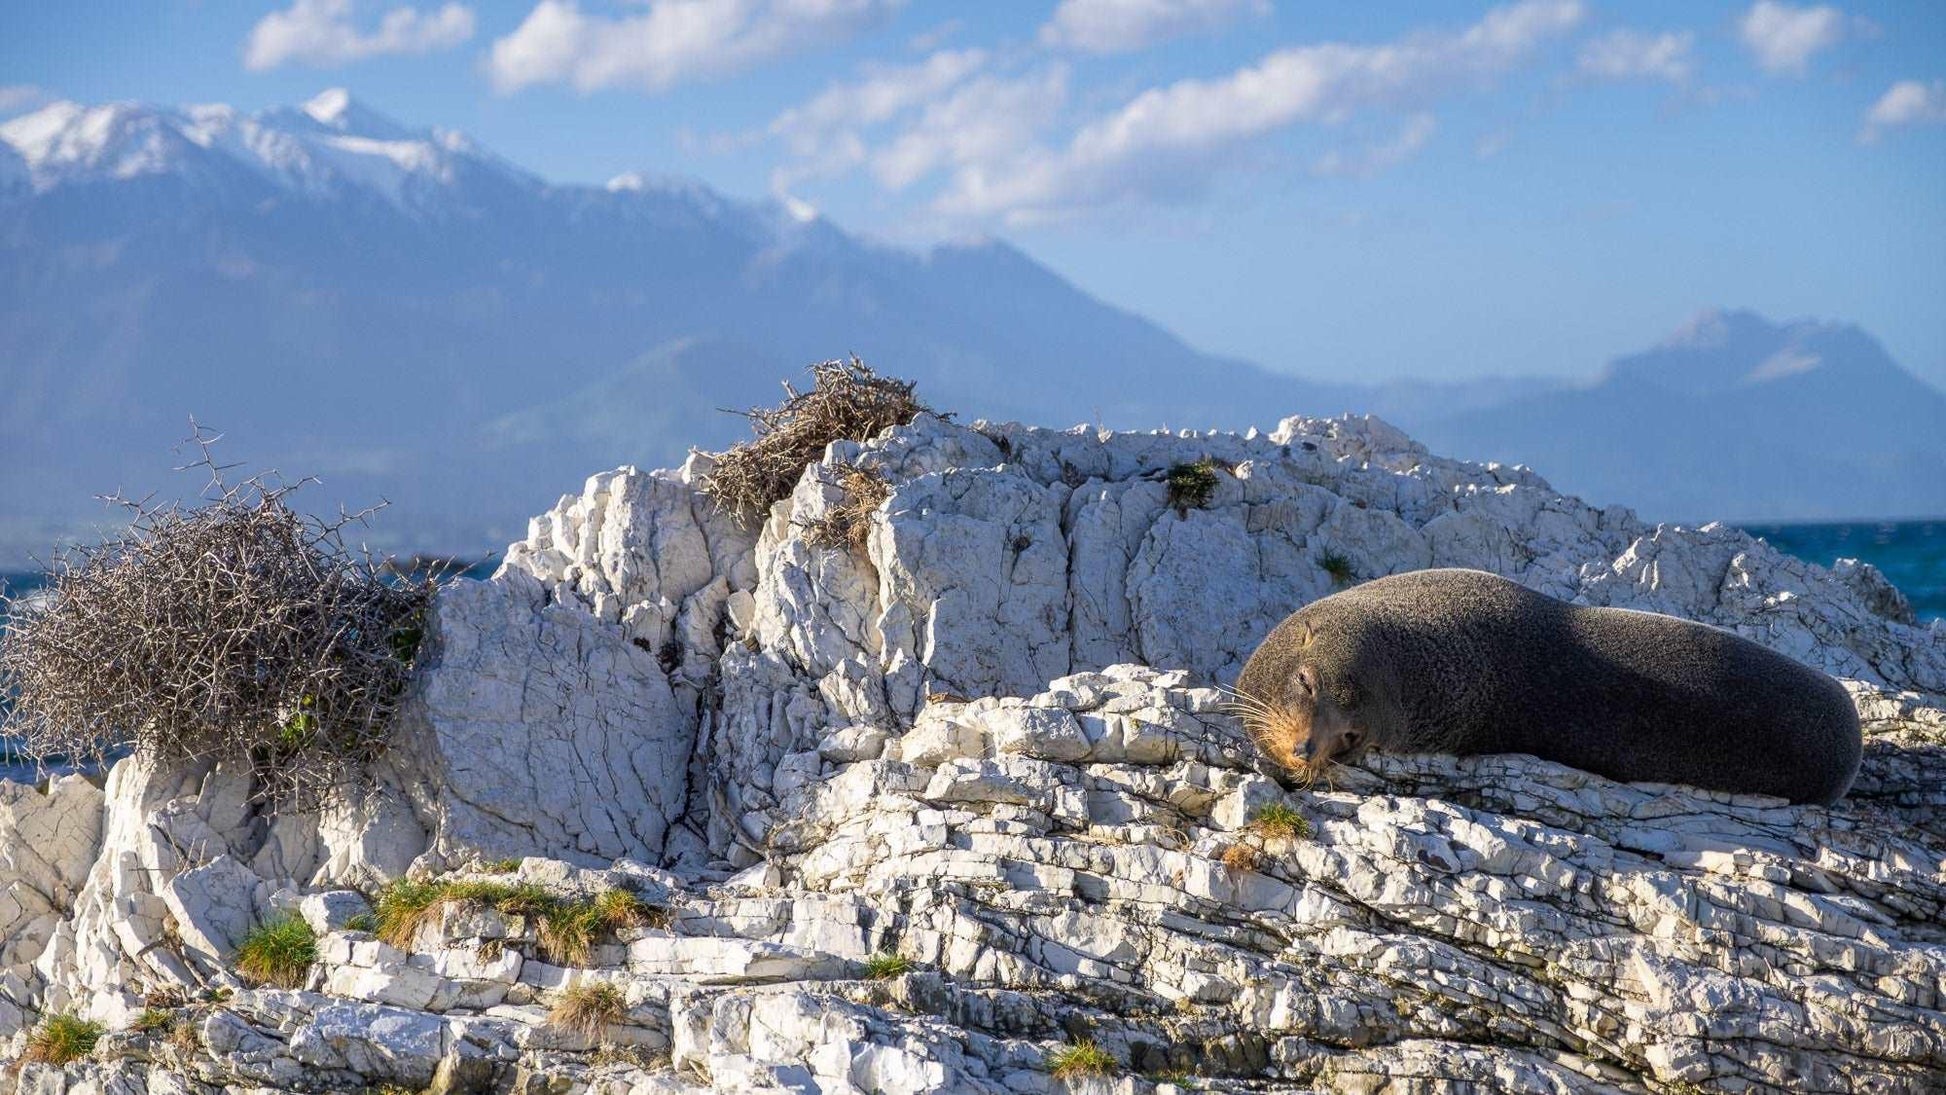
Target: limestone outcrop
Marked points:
960	809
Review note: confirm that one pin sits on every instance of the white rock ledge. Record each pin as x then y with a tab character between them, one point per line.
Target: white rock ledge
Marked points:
992	745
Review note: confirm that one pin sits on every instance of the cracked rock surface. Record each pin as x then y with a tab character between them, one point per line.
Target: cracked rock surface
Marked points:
922	816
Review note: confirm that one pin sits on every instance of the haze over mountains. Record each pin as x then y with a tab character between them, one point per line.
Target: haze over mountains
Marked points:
405	314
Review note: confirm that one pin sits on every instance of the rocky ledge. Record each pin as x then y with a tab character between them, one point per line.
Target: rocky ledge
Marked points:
955	806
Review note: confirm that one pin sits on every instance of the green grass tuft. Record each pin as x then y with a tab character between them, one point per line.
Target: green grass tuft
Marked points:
1080	1060
1277	819
61	1039
1338	566
363	922
885	966
567	929
402	907
278	952
502	866
152	1020
1191	486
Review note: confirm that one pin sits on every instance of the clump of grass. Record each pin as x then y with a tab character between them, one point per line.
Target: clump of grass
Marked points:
362	922
501	866
1240	857
1081	1060
405	906
184	1035
1338	566
885	966
152	1020
567	929
847	400
567	933
850	522
402	907
61	1039
1191	486
588	1008
619	909
278	952
1279	820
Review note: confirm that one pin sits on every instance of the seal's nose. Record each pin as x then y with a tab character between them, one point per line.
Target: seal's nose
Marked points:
1310	748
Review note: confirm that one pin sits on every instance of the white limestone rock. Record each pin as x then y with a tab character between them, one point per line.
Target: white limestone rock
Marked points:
538	729
382	1043
48	841
213	906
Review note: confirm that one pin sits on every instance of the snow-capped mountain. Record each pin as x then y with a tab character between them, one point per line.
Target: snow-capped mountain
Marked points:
407	315
332	146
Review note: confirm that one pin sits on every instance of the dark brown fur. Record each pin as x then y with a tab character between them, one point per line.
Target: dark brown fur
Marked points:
1462	661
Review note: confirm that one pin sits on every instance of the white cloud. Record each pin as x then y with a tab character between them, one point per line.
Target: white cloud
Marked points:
1162	142
1118	26
672	41
15	98
1628	55
1367	162
320	33
989	120
1906	103
826	136
1783	38
928	40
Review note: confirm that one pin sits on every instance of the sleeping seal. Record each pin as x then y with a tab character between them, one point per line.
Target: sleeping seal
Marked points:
1462	661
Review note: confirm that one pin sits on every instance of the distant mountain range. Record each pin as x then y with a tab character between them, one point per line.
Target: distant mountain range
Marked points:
407	315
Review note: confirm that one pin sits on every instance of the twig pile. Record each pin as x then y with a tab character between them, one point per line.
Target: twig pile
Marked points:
237	629
847	400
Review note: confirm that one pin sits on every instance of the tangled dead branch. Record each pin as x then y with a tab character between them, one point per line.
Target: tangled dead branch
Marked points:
847	400
234	629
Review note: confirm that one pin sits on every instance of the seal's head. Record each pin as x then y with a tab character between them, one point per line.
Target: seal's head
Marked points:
1301	704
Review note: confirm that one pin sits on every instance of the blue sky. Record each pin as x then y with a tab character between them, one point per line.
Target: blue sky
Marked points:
1346	191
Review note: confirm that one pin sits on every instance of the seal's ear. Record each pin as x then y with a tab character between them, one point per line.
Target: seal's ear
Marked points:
1306	637
1307	679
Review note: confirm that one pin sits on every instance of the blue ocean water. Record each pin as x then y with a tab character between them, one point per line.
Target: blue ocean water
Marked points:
1911	553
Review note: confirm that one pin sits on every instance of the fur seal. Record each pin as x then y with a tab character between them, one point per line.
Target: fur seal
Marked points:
1463	662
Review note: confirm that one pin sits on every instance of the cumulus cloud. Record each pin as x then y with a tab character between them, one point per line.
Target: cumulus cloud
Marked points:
987	121
1906	103
828	134
1633	55
320	33
1162	143
1119	26
668	43
1783	38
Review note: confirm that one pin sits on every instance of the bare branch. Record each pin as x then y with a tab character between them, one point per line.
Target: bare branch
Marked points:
239	628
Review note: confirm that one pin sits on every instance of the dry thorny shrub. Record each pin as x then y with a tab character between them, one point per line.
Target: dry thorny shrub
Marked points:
847	523
847	400
235	629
